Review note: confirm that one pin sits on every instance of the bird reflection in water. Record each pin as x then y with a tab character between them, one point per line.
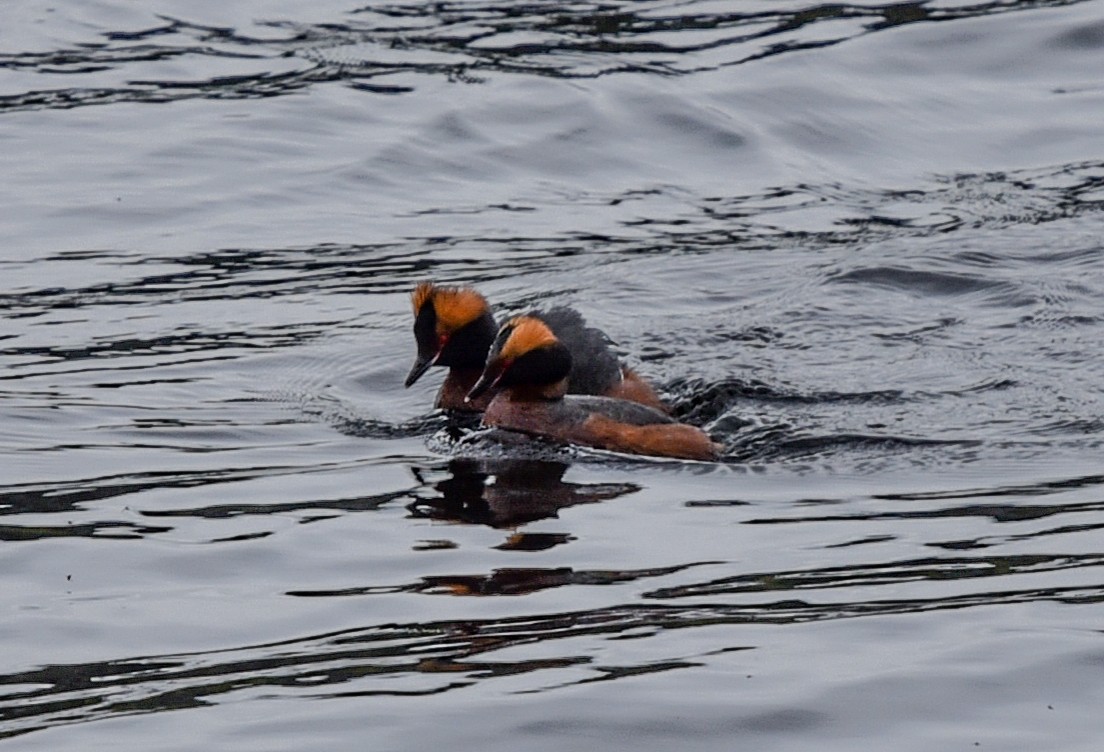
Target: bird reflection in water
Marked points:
505	493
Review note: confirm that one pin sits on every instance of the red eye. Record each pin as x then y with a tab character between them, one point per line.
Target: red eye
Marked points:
502	367
442	340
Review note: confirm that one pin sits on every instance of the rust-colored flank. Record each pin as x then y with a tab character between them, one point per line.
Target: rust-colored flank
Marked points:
635	389
659	440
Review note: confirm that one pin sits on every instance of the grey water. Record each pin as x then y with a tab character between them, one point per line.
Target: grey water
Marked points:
858	243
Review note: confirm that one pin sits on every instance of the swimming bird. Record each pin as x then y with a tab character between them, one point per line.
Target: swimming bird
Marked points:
454	328
530	367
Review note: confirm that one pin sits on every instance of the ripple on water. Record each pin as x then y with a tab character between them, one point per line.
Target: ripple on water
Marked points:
840	238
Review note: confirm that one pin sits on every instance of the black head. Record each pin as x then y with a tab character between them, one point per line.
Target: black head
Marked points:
525	353
453	327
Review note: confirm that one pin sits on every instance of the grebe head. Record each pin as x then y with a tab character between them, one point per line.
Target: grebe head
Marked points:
525	356
453	327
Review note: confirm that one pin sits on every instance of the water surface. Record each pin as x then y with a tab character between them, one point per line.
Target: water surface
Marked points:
859	244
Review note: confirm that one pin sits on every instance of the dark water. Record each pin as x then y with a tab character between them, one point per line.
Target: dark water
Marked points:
860	244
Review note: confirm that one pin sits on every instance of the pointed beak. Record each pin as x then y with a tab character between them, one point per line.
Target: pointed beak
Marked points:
421	365
488	380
